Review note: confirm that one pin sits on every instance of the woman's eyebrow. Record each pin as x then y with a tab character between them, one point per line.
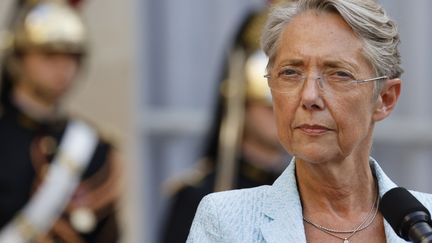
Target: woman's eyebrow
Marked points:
291	62
339	64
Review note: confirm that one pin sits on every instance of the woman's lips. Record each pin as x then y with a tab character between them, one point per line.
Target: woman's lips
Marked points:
313	129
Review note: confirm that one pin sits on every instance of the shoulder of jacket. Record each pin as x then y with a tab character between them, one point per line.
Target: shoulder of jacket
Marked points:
242	196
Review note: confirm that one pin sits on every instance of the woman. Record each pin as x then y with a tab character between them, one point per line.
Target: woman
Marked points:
334	71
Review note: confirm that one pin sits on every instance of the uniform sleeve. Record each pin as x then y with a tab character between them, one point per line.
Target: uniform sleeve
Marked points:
206	225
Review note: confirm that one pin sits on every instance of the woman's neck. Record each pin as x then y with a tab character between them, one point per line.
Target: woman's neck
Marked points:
342	190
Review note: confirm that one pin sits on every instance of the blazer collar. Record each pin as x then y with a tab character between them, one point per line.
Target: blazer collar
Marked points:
283	207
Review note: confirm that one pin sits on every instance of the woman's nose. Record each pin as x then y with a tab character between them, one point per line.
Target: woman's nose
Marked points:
311	94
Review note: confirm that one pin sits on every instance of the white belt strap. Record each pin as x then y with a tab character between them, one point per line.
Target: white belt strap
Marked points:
62	178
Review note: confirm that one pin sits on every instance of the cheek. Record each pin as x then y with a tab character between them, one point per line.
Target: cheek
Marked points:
71	70
353	120
38	71
284	111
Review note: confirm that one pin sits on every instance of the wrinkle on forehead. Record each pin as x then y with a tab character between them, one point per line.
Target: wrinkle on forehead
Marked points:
328	37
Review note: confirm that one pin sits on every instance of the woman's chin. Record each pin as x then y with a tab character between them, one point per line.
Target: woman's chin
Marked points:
316	156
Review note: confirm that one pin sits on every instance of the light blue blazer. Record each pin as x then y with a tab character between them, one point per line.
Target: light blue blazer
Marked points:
270	214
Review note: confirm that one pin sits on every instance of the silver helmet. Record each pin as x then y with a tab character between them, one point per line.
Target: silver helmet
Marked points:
50	25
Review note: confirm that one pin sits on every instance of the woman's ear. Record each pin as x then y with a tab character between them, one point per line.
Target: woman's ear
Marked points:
387	99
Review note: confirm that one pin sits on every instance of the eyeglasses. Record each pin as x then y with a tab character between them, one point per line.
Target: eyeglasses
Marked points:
291	80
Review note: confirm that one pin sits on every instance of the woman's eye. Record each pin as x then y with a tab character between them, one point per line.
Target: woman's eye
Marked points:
343	74
288	72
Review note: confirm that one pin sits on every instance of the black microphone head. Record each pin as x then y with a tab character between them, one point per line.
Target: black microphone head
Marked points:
396	204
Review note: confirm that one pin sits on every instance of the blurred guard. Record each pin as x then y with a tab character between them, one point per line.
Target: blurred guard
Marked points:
58	178
243	149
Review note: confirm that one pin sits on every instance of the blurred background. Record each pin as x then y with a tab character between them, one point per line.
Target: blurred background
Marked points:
151	81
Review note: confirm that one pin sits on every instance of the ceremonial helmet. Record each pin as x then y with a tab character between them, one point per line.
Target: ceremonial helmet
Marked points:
50	25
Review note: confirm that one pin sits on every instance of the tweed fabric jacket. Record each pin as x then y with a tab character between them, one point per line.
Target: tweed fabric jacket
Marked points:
271	214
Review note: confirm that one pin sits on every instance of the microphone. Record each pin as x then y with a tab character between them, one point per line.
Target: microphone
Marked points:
406	215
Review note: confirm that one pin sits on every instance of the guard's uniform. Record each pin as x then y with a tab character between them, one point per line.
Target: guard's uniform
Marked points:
27	147
85	213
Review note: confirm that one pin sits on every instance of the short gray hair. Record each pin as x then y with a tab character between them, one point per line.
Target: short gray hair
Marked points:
366	18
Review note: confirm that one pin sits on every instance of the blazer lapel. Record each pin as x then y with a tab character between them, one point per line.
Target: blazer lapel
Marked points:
283	208
384	185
